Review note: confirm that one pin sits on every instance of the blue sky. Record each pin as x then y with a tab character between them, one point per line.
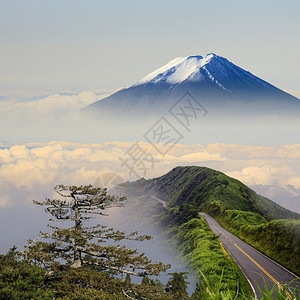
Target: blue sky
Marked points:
85	45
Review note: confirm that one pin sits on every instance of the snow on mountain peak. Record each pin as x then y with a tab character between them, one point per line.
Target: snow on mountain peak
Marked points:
178	70
214	78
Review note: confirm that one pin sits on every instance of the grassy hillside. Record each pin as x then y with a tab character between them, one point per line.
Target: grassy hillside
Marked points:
259	221
205	188
193	240
279	239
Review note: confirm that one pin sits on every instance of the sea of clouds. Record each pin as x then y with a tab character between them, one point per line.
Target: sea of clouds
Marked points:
27	168
45	140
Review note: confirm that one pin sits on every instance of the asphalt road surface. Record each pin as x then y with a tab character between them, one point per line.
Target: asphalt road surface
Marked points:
257	268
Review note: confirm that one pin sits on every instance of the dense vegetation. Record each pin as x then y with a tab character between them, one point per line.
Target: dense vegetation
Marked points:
196	244
187	190
80	244
22	279
203	188
75	262
279	239
264	224
68	265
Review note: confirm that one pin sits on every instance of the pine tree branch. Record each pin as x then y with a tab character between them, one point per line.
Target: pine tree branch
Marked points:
94	212
133	292
61	219
62	195
140	274
91	252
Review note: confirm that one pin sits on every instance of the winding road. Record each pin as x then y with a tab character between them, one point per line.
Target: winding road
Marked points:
257	268
161	201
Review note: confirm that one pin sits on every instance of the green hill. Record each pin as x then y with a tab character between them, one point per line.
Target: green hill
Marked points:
259	221
205	188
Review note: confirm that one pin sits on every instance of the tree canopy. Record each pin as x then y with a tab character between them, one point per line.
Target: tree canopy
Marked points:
81	245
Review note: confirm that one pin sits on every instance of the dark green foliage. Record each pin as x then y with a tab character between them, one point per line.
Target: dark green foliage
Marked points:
128	279
193	241
145	281
81	264
21	280
179	215
85	282
277	293
200	247
279	239
177	285
206	189
83	245
239	219
248	215
188	190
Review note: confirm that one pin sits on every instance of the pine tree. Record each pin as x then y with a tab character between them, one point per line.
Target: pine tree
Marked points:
177	285
80	245
128	278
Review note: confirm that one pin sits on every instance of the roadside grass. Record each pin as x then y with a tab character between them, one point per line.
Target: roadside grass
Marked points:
278	239
197	245
201	248
265	225
273	230
278	293
216	293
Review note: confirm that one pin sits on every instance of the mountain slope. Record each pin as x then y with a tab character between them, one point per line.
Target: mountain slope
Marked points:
212	78
212	71
270	228
206	188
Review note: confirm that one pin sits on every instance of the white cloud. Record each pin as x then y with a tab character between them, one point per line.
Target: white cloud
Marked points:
201	156
44	118
48	106
254	175
294	181
33	169
287	196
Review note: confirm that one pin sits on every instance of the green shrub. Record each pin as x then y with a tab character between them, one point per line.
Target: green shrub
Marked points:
21	280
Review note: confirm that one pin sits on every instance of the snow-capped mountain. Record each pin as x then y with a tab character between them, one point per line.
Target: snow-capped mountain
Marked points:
211	78
210	69
178	70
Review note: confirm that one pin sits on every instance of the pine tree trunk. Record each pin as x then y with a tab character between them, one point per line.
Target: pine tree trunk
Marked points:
77	259
77	253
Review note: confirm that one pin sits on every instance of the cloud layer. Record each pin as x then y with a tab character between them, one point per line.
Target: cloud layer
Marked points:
27	117
33	169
